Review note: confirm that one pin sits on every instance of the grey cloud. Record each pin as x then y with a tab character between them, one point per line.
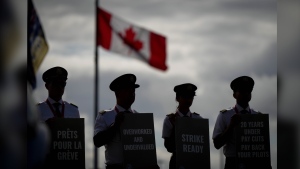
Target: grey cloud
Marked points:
267	63
57	8
261	7
140	11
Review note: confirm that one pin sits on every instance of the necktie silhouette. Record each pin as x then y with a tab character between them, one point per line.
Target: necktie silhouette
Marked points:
56	106
244	112
126	111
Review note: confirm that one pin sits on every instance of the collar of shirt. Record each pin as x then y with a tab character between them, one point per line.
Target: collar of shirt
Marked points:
239	108
53	101
181	114
122	109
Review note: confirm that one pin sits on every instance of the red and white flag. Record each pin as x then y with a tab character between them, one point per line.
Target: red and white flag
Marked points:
119	36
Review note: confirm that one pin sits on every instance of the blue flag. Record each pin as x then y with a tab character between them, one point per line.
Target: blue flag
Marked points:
37	44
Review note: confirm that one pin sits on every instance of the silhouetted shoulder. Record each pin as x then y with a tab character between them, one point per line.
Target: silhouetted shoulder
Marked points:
255	111
70	105
196	114
102	112
41	104
171	115
134	111
74	105
258	112
224	110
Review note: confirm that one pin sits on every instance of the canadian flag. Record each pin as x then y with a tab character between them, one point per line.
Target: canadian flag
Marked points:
117	35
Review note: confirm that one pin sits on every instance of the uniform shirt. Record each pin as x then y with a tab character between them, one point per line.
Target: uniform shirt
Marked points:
222	123
168	126
70	110
113	150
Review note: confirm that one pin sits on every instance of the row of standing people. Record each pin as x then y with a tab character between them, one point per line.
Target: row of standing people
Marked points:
108	122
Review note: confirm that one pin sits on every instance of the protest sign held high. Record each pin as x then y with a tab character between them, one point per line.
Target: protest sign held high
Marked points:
137	133
67	143
192	146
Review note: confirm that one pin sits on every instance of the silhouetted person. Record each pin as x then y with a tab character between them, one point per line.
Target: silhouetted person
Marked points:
54	107
228	119
107	124
184	96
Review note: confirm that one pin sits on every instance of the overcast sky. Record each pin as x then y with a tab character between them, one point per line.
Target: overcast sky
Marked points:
209	43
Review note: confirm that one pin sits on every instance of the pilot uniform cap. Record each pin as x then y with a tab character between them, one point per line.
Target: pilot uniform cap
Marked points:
185	89
124	81
245	83
55	73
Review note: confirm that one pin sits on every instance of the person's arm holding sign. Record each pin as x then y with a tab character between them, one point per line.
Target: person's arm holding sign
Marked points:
105	136
170	144
225	135
169	138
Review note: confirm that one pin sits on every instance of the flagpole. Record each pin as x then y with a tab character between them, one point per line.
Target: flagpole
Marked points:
30	70
29	60
27	34
96	79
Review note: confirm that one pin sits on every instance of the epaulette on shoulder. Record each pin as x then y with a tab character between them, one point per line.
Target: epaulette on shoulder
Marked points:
74	105
196	113
224	110
102	112
171	115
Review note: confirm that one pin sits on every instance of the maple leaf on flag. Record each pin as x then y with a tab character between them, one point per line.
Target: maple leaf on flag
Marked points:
129	39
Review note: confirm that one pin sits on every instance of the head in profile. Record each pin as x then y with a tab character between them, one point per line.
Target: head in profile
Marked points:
185	95
55	81
242	88
124	87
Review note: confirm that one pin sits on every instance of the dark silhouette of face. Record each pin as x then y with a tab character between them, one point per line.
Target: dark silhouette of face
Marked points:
185	101
242	96
56	88
126	96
